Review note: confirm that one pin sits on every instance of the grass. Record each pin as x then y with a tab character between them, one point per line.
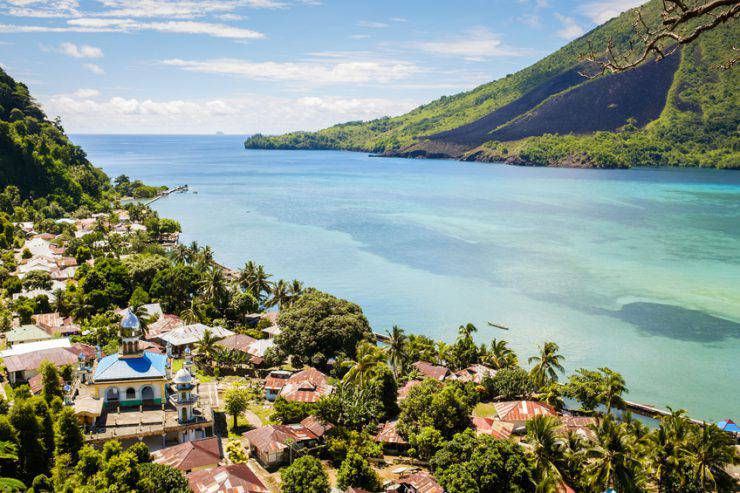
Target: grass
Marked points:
484	410
262	411
242	426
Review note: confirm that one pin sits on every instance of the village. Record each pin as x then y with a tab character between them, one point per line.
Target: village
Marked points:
231	410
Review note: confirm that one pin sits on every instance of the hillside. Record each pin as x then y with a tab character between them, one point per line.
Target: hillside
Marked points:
36	155
680	111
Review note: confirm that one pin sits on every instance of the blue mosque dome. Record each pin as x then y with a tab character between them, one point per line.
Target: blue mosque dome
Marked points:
129	320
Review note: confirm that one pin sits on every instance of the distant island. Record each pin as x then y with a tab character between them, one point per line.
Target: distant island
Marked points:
680	111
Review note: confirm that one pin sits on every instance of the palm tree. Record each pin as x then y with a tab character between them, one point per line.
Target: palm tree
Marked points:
205	256
612	388
255	280
395	349
709	450
365	365
191	314
296	288
179	253
552	394
548	451
466	331
213	285
261	284
246	274
143	315
280	294
501	355
612	461
207	348
548	364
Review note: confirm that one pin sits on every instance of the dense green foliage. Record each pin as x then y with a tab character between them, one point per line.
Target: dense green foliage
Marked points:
317	326
482	463
305	475
36	155
698	126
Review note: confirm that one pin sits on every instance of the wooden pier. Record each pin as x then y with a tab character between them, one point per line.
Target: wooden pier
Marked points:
165	193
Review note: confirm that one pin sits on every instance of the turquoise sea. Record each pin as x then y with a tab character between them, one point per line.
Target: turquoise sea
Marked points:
638	270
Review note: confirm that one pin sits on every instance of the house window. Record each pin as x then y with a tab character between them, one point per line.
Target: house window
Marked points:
111	394
130	394
184	414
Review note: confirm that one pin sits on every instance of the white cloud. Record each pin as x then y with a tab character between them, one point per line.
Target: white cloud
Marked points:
337	68
360	36
86	93
245	114
231	17
476	45
398	19
180	9
570	29
82	51
41	8
97	25
531	20
372	24
95	69
600	12
172	9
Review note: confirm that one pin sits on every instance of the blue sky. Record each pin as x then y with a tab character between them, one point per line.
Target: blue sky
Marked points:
245	66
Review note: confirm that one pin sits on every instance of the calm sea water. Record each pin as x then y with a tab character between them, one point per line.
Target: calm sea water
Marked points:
638	270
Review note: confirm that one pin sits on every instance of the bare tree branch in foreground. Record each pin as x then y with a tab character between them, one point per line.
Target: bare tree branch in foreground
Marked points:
683	21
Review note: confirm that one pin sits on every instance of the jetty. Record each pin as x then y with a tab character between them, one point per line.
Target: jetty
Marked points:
165	193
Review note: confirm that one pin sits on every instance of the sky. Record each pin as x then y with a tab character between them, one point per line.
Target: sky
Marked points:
271	66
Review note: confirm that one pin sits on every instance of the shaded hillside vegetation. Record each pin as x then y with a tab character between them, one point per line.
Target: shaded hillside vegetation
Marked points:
681	112
36	155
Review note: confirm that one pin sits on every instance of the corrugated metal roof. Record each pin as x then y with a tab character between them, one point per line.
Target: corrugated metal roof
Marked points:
191	334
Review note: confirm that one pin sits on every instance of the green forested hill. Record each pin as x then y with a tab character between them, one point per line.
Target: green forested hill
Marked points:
36	155
681	111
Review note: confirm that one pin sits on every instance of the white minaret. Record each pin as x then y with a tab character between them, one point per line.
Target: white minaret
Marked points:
184	399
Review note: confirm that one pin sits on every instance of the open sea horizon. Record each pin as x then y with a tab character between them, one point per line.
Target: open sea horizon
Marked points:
637	270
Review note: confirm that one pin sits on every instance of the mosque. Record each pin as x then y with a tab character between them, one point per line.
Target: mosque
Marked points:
131	395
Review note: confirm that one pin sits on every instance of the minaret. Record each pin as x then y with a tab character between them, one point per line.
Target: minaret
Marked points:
184	398
82	368
130	333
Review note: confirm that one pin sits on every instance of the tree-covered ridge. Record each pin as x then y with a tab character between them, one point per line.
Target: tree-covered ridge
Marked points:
697	124
36	155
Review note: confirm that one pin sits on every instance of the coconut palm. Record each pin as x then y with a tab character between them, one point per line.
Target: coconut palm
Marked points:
466	331
179	253
280	294
709	450
191	315
246	274
207	348
260	287
296	288
612	462
205	256
501	355
213	285
547	364
365	365
143	315
612	388
548	451
552	394
395	349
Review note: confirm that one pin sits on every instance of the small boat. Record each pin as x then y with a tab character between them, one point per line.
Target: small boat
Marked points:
497	326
